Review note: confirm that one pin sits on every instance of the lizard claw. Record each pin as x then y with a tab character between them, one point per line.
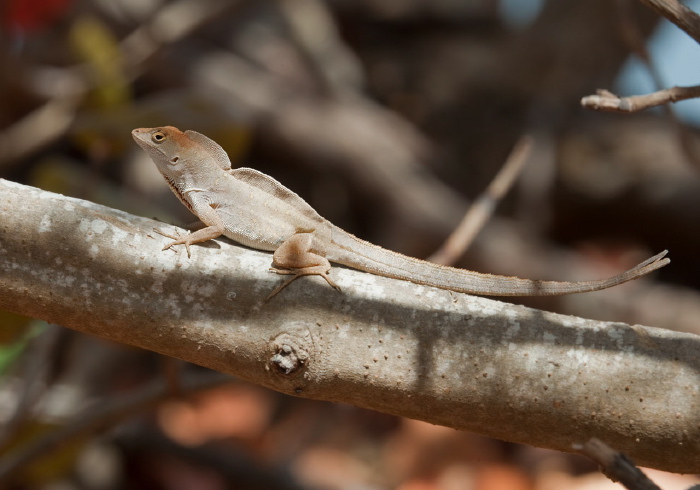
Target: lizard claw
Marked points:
178	240
162	233
279	288
332	283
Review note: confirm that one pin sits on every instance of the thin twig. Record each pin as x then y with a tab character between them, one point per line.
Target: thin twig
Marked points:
478	213
607	101
634	38
615	465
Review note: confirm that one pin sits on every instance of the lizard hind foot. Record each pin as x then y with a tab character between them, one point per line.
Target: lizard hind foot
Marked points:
297	273
296	257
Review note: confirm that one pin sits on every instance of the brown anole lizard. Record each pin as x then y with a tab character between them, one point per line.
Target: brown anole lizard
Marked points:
257	211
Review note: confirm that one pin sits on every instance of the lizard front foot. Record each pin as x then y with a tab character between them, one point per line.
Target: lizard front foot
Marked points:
178	240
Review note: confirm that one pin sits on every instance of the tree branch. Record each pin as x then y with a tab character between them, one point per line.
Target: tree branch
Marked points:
461	361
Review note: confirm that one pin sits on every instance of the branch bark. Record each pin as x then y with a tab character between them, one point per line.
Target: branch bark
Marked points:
461	361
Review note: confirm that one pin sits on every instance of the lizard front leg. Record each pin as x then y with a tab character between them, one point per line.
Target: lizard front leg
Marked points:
295	257
208	233
215	230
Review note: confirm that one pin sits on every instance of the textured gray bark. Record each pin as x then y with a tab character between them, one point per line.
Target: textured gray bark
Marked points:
470	363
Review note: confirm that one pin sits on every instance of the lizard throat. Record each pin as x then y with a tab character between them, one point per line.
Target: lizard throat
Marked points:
177	192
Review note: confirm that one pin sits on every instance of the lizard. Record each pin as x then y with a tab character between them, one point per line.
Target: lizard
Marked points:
257	211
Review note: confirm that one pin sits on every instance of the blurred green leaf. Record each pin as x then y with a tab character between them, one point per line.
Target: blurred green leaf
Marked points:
16	333
95	45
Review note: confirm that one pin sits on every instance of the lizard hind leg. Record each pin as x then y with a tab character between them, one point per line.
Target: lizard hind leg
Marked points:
294	257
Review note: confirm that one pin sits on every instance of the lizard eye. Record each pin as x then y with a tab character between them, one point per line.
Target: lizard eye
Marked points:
158	137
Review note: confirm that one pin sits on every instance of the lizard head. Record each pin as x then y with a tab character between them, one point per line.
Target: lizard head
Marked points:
171	148
164	145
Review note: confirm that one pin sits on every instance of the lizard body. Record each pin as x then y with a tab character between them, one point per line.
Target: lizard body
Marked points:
257	211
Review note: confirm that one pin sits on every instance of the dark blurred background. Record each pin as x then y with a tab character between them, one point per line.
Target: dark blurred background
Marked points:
389	117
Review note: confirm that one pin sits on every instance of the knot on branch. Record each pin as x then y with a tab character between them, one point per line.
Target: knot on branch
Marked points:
290	351
287	360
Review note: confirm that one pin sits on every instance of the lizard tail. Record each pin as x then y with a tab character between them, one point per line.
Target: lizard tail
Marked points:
353	252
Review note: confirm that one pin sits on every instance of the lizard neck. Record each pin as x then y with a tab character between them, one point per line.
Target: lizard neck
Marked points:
178	192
